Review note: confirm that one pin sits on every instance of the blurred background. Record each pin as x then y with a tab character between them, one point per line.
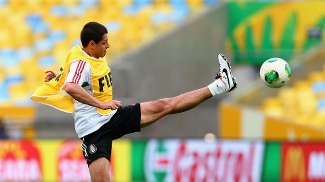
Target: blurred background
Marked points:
162	48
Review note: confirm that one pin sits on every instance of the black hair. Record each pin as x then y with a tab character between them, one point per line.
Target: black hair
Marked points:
92	31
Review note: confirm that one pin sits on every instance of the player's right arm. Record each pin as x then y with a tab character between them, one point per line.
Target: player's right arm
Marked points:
79	73
80	94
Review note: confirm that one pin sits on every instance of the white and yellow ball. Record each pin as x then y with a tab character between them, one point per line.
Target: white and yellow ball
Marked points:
275	72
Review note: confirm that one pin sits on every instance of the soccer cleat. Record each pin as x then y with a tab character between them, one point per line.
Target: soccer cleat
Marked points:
225	74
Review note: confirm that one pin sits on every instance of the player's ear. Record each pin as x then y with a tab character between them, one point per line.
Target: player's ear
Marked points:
92	44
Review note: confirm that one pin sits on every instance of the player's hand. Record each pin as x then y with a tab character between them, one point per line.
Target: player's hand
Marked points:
50	75
113	104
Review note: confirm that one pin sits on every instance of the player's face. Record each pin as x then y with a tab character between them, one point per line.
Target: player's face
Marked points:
101	47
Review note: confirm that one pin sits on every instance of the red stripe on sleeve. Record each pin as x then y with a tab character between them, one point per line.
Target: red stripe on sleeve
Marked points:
79	70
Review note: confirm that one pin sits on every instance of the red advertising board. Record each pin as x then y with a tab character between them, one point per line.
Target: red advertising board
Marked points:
71	163
19	161
303	162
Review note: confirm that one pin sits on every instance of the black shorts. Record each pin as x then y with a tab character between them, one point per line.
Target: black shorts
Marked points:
99	143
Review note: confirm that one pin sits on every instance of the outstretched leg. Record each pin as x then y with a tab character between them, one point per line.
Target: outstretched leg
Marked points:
154	110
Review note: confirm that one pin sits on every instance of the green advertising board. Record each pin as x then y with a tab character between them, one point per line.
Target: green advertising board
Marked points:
137	157
272	162
261	30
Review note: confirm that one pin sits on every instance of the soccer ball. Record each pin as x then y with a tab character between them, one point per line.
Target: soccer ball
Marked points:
275	72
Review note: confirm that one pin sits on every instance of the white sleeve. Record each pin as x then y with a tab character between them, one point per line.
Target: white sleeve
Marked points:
79	72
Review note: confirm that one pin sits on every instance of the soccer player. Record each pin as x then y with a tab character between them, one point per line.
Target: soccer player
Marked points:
83	86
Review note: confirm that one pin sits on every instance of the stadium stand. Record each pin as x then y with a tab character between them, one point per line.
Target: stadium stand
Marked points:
298	106
304	101
38	33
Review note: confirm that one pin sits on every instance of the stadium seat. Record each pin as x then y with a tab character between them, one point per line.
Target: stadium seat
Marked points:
195	4
56	35
18	94
36	23
43	45
317	119
316	76
47	62
9	58
211	2
24	53
77	11
87	3
321	104
272	107
318	88
303	103
180	10
3	2
5	38
288	102
141	3
69	3
306	99
59	10
4	94
36	2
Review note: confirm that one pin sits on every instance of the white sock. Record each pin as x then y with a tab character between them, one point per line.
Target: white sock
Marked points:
217	87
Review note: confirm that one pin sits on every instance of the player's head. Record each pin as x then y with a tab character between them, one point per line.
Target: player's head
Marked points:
93	37
92	31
